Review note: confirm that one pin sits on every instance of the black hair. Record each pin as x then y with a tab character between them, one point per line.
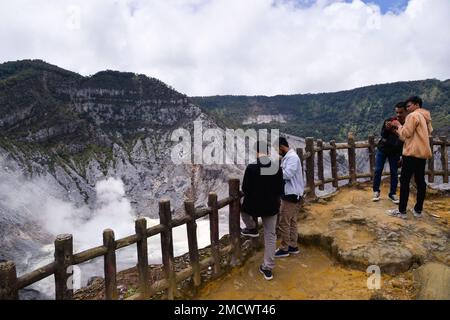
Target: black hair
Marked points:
401	105
414	100
282	141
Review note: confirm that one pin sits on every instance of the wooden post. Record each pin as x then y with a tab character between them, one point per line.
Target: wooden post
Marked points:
431	162
110	265
63	260
444	158
320	164
165	217
142	253
333	157
300	155
372	156
214	227
309	148
351	158
8	281
191	228
234	221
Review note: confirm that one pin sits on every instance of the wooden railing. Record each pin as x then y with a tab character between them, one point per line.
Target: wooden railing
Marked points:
308	158
10	284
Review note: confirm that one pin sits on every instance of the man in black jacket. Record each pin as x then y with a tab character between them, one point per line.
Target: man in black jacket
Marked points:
262	194
389	147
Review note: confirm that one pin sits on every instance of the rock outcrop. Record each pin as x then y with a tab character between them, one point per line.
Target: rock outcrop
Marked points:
358	233
433	282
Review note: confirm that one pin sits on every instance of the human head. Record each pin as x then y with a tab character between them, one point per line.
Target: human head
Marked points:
400	111
413	103
283	146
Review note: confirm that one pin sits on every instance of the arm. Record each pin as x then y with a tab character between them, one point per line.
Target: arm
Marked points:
279	182
247	182
290	168
383	130
407	130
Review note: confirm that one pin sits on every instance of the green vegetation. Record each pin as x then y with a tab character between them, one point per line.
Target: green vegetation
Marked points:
130	292
333	115
46	114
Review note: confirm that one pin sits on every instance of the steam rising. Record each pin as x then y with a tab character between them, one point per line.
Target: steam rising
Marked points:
34	210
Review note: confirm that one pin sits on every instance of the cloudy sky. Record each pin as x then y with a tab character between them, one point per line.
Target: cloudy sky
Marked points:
207	47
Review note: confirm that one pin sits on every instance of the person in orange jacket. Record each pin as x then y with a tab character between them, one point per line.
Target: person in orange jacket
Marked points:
416	134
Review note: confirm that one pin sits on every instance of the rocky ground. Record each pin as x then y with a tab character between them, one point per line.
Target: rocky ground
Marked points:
358	233
312	274
341	236
128	280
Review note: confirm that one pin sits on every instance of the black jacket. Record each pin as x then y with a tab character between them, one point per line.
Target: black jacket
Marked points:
390	143
261	192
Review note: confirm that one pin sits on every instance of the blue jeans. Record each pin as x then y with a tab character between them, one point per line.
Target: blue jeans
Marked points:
380	159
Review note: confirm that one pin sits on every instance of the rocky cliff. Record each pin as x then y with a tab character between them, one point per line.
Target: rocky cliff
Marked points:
62	133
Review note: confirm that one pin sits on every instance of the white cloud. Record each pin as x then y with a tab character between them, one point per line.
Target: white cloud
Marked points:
206	47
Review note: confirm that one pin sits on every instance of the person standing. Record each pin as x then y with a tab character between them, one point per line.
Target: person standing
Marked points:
389	147
416	150
290	201
262	192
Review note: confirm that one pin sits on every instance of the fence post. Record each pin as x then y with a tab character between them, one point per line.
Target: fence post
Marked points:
300	155
165	218
444	158
309	148
372	156
63	260
431	162
333	160
142	253
110	265
234	221
351	158
320	164
191	227
8	281
214	227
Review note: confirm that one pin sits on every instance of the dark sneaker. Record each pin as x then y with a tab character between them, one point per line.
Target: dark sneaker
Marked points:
281	253
416	214
394	198
250	232
267	273
293	250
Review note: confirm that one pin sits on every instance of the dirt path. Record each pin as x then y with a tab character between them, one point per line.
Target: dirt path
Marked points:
314	273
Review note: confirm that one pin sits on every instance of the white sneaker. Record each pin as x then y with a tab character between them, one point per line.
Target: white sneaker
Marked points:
394	199
416	214
397	214
376	196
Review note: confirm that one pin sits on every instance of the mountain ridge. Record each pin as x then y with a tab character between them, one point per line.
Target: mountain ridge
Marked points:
333	115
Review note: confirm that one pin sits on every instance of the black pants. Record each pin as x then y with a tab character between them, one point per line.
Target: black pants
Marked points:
416	166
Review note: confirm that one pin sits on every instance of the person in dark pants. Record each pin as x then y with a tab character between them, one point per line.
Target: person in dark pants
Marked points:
389	147
416	150
262	192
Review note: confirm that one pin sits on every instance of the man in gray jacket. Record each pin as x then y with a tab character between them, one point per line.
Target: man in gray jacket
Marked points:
294	187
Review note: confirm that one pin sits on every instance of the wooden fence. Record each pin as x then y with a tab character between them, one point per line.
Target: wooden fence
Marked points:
10	284
313	148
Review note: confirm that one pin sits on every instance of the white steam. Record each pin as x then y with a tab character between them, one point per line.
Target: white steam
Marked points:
113	210
33	211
